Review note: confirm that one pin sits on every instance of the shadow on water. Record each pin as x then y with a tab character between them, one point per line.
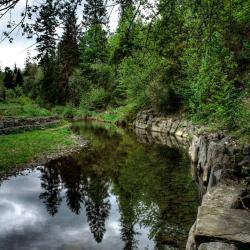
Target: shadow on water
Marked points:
127	195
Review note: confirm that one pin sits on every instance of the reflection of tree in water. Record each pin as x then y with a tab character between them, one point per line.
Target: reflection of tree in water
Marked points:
127	222
84	183
97	204
71	179
50	182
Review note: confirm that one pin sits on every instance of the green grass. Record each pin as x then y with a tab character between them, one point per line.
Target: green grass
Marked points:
22	108
20	149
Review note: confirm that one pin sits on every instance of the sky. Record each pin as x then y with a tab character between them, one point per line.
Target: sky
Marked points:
16	52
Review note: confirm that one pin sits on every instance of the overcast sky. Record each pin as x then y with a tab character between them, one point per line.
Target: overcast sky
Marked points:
16	52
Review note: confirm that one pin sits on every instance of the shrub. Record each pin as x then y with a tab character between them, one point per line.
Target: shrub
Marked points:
95	99
69	111
77	85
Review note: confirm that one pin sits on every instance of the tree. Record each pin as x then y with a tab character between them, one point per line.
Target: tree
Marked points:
93	45
46	24
94	41
94	13
18	78
2	88
8	78
50	183
68	52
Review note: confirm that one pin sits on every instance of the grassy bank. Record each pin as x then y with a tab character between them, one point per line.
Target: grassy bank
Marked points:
23	148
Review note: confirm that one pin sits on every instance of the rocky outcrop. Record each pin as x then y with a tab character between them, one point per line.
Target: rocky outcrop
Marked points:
147	120
9	125
219	166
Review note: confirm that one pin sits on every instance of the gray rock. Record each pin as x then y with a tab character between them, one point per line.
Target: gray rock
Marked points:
202	154
217	246
215	176
194	149
222	223
223	195
215	155
191	244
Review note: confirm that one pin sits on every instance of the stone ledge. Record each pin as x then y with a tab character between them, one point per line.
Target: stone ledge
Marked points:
12	125
230	225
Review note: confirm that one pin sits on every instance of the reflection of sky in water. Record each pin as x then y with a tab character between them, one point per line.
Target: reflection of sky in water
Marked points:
26	224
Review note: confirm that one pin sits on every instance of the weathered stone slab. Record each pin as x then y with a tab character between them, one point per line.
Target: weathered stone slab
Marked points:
221	223
217	246
222	195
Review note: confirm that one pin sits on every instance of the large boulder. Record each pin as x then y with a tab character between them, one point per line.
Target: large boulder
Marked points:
229	225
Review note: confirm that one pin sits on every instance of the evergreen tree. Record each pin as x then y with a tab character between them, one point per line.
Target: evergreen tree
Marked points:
125	32
94	13
68	52
28	63
8	78
18	78
93	45
46	24
51	183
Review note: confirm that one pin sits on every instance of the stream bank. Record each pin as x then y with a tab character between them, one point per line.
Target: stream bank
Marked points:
220	168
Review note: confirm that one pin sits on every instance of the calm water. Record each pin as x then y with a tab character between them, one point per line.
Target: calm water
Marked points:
117	194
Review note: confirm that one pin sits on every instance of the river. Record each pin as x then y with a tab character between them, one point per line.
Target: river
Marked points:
116	194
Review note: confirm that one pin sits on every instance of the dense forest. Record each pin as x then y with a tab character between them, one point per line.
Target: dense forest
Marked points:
175	56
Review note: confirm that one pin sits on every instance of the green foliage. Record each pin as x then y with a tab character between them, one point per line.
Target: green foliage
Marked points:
77	85
95	99
21	107
208	90
69	111
134	76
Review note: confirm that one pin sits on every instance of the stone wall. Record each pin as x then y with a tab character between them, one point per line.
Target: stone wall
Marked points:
9	125
221	168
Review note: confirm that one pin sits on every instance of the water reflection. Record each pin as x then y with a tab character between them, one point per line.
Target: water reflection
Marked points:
125	194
